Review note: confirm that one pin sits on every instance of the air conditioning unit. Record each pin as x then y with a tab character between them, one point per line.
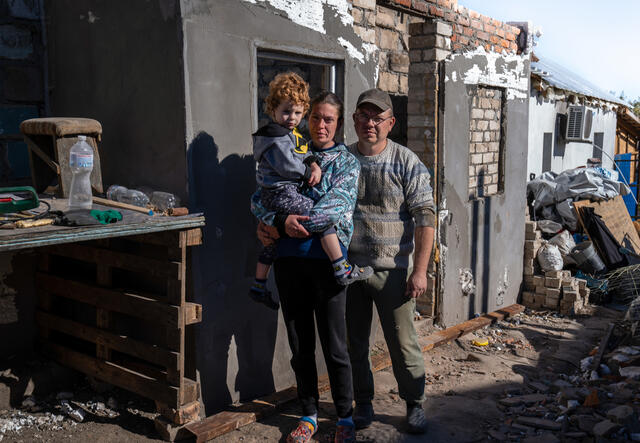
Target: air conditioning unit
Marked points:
579	124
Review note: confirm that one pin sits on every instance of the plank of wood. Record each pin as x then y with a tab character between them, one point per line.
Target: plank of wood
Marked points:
602	347
193	238
125	302
120	343
181	415
193	313
103	317
120	260
227	421
114	374
615	215
120	205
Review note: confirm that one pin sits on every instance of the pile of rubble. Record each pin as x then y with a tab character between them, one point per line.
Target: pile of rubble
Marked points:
599	402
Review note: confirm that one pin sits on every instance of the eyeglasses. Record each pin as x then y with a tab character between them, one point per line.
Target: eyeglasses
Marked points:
364	118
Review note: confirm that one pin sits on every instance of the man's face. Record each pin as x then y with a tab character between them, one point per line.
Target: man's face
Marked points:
372	124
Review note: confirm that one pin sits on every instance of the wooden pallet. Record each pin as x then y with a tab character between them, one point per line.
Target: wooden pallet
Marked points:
115	309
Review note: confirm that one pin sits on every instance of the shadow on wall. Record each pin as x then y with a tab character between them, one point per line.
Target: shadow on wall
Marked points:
236	340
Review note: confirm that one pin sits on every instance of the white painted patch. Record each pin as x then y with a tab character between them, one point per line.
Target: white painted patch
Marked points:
310	13
351	50
503	285
466	281
454	76
514	80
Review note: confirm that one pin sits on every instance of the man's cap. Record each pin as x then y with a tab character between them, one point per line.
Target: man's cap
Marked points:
376	97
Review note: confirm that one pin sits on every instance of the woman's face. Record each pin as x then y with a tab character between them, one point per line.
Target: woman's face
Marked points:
324	121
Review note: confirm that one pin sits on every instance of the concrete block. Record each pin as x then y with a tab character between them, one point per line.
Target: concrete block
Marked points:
436	54
538	280
535	235
582	284
436	27
16	42
570	296
551	303
554	274
365	4
399	62
530	226
539	299
541	290
551	282
552	292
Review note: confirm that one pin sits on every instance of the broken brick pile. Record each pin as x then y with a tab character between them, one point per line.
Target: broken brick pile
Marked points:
556	290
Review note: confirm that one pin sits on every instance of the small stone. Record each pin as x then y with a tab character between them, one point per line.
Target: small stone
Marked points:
604	428
497	435
592	399
620	414
28	403
523	399
539	423
561	384
586	422
540	387
632	372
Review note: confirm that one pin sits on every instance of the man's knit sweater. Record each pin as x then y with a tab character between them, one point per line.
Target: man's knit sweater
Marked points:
394	196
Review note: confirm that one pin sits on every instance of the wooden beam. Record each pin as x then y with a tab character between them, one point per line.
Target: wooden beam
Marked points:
124	302
192	313
227	421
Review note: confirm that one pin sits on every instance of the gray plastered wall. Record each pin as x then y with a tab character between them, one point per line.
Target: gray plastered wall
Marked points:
483	236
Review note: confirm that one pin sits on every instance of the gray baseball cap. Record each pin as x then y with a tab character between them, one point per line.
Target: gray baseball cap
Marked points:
376	97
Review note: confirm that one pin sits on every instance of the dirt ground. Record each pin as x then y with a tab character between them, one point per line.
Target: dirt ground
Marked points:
464	385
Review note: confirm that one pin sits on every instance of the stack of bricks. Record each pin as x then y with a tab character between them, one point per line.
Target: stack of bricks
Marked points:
532	242
485	143
558	291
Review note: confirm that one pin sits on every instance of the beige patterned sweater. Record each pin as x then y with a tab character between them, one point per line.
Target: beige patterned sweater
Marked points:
394	196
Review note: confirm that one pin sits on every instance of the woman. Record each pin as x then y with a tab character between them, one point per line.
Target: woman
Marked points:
305	278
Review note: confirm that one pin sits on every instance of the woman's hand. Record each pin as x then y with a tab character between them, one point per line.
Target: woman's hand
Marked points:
316	174
267	234
293	228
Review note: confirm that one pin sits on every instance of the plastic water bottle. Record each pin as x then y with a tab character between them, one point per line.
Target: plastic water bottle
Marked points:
164	200
130	196
81	164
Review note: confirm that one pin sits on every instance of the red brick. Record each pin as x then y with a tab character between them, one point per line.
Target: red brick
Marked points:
496	23
510	36
456	46
482	35
406	3
485	19
476	24
420	5
494	39
445	3
458	28
468	31
434	10
504	43
515	30
487	47
489	28
474	14
513	46
500	32
454	38
450	17
463	20
475	43
464	40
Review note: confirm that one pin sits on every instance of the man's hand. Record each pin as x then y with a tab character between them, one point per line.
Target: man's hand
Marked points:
316	174
293	228
267	234
416	284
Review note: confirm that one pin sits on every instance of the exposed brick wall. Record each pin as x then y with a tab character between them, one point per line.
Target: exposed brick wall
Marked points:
485	143
470	28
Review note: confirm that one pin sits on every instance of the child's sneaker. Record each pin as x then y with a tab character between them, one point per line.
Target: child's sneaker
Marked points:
357	273
266	298
302	433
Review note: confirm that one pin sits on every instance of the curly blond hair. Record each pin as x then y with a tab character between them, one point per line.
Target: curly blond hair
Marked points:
287	86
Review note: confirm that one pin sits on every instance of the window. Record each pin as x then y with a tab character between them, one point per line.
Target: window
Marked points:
320	73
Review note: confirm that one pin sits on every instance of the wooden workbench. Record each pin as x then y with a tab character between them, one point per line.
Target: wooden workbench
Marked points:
112	302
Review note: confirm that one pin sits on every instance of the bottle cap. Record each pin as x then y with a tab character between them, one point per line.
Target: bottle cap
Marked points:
82	138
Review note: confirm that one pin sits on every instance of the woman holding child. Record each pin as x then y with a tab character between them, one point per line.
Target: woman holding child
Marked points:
311	293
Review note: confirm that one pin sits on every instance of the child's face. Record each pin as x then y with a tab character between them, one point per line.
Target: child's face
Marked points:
288	115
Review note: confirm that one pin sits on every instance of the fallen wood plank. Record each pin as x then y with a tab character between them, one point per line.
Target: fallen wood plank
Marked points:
602	347
227	421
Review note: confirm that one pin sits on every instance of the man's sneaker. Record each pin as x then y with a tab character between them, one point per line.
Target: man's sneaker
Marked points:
302	433
416	421
363	415
266	298
345	433
357	273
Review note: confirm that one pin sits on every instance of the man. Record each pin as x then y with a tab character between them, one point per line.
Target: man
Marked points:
394	211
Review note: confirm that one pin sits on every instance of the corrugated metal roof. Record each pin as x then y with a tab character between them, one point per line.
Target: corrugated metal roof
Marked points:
561	78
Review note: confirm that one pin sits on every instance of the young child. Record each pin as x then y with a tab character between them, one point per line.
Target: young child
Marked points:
284	166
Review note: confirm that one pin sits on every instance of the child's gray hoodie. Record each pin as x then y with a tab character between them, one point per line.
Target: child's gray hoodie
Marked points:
282	157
